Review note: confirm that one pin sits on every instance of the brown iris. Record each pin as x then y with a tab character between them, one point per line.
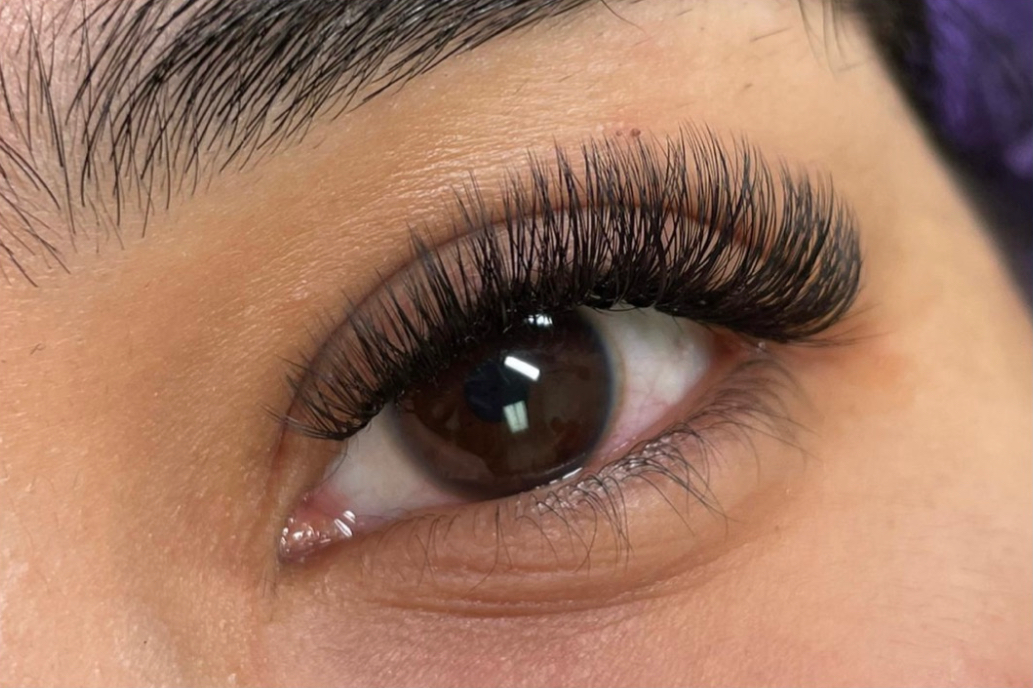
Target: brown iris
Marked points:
519	414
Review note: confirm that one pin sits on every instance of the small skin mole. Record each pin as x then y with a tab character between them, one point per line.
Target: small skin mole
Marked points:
621	130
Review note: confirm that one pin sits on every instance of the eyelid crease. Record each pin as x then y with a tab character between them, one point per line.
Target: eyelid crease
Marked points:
681	224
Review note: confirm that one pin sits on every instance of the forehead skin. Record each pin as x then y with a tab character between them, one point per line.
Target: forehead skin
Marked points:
139	501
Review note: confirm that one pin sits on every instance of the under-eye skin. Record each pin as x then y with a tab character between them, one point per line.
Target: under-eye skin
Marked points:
599	330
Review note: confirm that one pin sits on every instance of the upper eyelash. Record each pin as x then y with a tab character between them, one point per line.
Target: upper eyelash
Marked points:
683	225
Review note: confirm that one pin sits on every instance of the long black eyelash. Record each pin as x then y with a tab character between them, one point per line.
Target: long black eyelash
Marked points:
683	225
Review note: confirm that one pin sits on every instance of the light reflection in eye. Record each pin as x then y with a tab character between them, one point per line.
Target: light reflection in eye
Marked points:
541	320
529	371
345	523
516	417
516	414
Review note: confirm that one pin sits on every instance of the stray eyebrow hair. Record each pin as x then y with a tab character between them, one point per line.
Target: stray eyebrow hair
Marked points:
166	93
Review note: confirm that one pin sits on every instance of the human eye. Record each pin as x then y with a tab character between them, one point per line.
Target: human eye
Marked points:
605	337
537	408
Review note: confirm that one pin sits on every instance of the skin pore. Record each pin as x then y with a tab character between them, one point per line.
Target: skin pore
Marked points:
143	481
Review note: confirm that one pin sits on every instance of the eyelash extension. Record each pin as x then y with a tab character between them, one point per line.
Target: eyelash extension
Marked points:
681	224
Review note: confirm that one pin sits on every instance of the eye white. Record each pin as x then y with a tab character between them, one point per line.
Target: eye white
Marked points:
658	360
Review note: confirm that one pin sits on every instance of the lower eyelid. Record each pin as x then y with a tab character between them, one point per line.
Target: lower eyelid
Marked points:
636	516
614	534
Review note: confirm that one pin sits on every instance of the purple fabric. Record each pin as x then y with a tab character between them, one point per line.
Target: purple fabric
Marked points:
982	57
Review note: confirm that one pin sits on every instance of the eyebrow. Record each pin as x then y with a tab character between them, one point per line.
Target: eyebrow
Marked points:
157	96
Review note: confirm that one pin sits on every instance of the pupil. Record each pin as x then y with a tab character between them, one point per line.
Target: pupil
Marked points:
515	415
491	388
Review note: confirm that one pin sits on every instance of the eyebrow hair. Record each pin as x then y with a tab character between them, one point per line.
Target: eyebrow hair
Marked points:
163	94
111	104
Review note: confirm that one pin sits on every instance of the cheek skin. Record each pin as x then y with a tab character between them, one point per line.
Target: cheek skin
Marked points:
139	500
885	563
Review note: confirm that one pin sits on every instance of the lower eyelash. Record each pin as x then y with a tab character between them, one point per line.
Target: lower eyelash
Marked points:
751	400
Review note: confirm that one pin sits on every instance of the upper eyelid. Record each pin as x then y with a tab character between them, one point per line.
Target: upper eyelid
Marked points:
803	246
473	213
